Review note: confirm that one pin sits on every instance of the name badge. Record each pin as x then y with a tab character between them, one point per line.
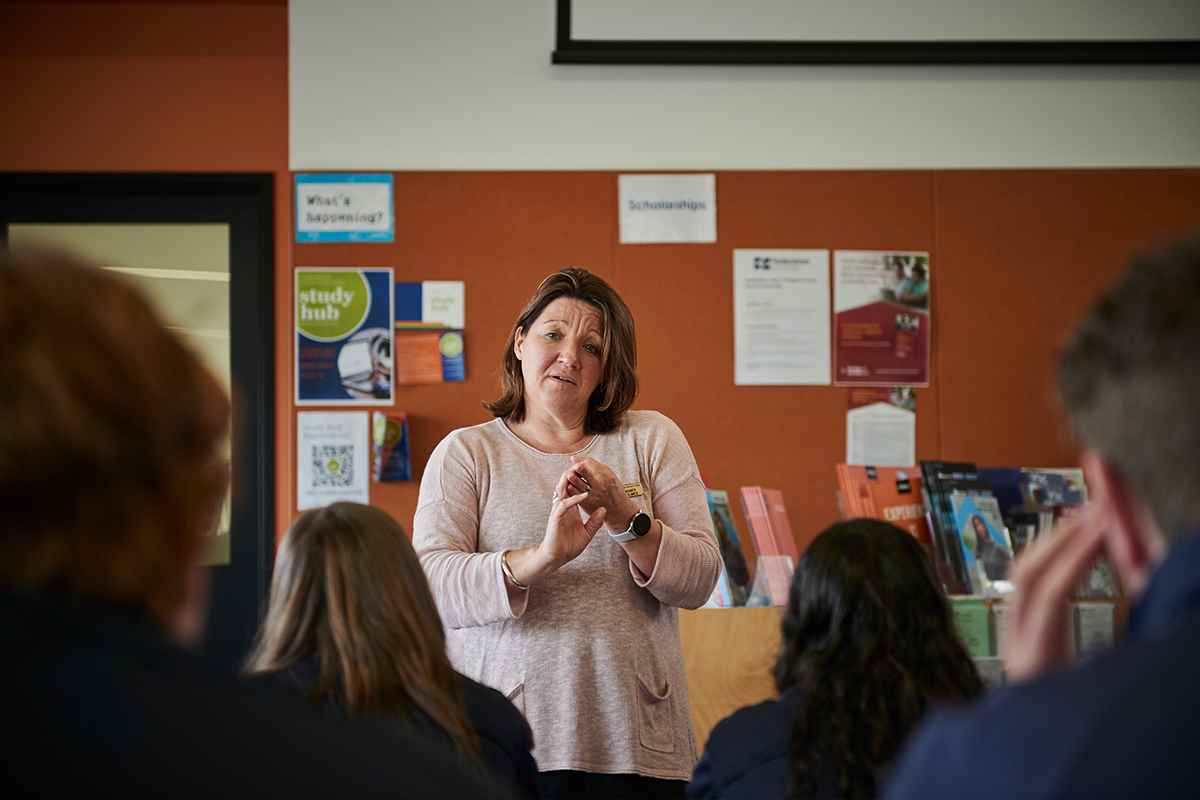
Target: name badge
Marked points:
633	490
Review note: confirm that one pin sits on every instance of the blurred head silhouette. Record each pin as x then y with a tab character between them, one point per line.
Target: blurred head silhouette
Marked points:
111	465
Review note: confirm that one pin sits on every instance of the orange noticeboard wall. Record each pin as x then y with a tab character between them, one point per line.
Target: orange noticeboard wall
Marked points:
1015	255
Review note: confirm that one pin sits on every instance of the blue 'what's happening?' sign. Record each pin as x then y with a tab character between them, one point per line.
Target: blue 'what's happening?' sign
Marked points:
344	207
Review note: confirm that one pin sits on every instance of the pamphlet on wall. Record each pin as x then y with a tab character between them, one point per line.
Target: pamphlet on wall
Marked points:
881	323
881	426
332	457
430	304
424	357
430	347
391	458
781	317
343	322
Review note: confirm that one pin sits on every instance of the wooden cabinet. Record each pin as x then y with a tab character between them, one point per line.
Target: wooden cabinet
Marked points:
729	655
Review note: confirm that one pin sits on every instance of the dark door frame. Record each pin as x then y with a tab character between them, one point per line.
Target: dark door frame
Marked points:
244	201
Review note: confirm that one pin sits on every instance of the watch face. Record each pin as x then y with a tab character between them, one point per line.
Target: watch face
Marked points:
640	524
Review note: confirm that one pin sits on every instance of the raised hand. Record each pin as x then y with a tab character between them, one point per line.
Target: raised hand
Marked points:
1039	635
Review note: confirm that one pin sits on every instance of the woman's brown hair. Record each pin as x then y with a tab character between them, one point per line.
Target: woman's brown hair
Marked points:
618	351
111	465
348	591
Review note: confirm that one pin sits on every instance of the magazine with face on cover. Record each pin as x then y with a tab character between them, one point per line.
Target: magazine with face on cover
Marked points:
986	547
735	579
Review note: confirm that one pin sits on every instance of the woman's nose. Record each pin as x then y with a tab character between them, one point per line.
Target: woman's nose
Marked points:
568	356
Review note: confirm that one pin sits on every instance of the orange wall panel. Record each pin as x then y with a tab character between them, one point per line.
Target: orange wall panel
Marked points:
1016	257
158	87
1020	256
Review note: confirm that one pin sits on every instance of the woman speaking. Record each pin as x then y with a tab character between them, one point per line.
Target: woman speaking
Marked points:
559	539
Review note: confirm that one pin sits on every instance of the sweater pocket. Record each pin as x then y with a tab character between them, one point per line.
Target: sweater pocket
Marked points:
516	696
655	716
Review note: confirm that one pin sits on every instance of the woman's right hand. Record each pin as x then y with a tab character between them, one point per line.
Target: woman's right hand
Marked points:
1039	635
567	534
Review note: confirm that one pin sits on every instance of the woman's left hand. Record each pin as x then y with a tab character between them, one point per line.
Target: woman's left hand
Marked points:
604	491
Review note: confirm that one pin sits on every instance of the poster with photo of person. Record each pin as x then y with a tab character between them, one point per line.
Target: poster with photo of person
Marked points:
881	305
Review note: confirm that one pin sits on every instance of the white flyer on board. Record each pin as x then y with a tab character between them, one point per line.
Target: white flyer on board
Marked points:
332	457
781	317
657	209
444	302
881	426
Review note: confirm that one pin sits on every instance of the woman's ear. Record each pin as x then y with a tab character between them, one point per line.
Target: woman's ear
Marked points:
1131	538
518	343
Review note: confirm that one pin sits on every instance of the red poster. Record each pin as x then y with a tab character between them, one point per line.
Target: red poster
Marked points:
881	318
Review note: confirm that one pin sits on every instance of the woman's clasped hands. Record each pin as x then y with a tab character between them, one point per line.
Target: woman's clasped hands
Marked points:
567	532
586	487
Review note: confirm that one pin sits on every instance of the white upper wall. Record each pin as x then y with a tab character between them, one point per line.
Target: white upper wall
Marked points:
468	84
883	20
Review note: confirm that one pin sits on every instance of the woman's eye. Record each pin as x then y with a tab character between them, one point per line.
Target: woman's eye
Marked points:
553	335
592	348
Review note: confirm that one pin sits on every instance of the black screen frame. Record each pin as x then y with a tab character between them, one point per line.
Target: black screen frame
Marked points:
569	50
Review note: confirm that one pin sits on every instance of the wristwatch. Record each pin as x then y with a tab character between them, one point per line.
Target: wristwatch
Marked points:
639	526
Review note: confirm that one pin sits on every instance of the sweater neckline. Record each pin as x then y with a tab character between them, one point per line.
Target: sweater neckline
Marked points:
504	427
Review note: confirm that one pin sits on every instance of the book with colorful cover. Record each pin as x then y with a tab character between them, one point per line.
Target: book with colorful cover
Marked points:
986	548
892	494
735	574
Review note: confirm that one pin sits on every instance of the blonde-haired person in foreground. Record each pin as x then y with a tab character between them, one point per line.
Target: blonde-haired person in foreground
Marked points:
352	626
110	475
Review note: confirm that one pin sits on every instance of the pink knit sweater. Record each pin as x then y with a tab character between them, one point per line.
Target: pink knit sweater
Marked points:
592	657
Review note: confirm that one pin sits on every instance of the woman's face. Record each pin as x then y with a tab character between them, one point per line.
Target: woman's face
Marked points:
981	533
560	357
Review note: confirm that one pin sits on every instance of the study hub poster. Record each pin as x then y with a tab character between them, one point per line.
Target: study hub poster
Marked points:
881	318
344	336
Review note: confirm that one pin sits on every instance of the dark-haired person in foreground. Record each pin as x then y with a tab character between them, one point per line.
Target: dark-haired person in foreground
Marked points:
868	645
111	476
1123	723
352	626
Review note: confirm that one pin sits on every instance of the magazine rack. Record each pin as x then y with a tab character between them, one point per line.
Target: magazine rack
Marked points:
772	580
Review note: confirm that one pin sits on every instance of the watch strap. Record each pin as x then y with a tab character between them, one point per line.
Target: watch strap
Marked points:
628	535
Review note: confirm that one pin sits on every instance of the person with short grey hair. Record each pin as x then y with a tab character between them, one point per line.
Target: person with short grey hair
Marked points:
1121	723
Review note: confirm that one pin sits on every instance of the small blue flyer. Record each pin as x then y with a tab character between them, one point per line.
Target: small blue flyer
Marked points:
344	207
